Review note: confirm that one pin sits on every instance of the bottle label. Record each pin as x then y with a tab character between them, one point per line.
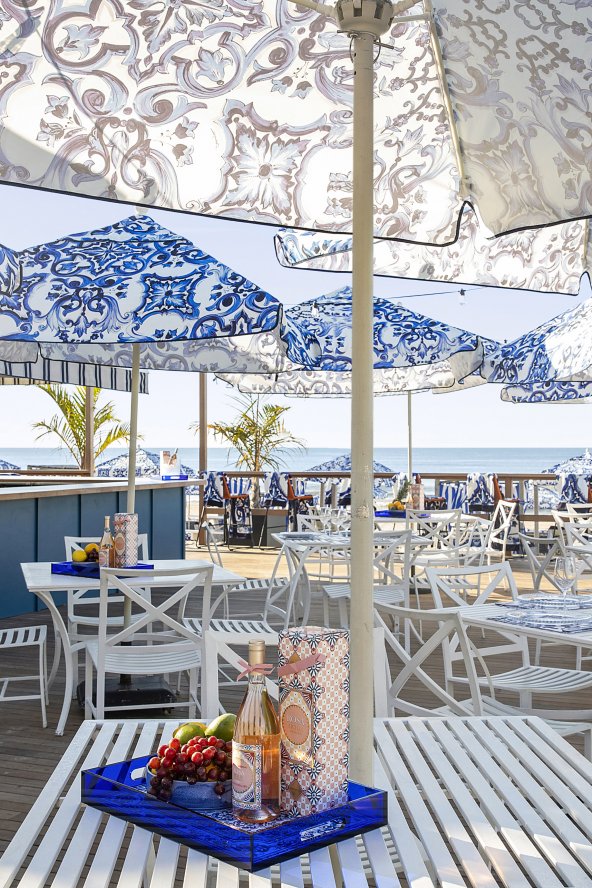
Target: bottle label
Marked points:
296	725
246	775
104	557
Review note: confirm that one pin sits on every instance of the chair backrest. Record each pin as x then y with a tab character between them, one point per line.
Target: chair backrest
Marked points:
459	586
214	491
540	562
395	688
285	596
499	529
151	624
72	542
583	509
392	563
441	527
577	533
274	492
573	488
219	656
455	494
479	489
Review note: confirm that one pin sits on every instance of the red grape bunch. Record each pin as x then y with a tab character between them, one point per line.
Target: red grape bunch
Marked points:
202	759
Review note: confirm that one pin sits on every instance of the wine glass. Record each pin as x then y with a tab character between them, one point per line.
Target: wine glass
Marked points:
565	575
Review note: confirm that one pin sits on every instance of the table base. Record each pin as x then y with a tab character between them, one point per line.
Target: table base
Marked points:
148	690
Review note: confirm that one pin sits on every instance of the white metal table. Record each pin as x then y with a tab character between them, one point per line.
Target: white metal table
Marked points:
472	802
486	617
42	583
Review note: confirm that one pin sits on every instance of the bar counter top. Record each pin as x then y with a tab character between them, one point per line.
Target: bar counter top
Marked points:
15	489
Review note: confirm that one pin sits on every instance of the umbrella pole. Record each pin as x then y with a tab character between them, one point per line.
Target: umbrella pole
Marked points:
89	431
409	437
133	445
362	508
203	449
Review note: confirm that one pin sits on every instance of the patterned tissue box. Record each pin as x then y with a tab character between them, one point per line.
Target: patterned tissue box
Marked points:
314	718
125	539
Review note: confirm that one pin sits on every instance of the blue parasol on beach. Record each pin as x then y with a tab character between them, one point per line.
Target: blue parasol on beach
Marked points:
147	465
6	466
343	463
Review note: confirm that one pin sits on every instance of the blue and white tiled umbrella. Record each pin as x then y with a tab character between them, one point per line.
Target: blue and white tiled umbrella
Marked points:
90	297
558	350
411	351
549	393
147	465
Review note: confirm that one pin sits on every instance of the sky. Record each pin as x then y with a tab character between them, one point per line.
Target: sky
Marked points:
475	418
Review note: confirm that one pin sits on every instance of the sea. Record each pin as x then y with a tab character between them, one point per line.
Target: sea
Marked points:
502	460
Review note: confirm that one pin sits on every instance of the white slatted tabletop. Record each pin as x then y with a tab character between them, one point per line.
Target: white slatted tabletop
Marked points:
476	802
506	798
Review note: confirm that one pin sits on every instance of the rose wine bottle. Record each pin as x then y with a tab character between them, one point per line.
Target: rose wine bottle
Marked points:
106	549
256	749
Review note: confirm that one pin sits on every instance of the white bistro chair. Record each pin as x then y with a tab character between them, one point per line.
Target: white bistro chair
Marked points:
26	637
474	586
156	641
82	604
392	568
396	686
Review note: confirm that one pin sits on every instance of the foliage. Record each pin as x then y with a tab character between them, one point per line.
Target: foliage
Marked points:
258	434
69	424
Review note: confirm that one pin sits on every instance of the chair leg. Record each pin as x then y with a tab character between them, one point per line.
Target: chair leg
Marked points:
192	693
326	622
537	652
42	682
88	688
588	744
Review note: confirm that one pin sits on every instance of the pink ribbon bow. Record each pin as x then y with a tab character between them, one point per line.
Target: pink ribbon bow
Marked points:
301	665
259	669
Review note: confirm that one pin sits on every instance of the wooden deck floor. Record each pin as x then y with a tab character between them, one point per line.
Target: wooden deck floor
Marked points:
28	753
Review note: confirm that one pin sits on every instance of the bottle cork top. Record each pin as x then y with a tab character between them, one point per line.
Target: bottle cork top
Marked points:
256	651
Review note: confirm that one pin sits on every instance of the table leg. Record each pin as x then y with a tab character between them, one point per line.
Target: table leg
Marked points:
62	633
57	650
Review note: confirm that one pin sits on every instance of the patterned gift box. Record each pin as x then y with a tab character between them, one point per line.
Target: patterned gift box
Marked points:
125	539
314	718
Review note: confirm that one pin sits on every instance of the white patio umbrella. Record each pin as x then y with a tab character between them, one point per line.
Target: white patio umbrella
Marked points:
471	107
553	259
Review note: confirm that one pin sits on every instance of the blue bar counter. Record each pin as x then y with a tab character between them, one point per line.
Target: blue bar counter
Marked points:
34	519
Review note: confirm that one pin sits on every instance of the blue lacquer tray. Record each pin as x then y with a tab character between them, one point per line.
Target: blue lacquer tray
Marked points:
119	789
86	569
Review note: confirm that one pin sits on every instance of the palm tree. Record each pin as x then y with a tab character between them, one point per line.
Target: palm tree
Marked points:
258	434
69	424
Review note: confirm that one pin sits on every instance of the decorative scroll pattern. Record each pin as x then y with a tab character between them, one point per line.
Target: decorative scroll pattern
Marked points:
245	110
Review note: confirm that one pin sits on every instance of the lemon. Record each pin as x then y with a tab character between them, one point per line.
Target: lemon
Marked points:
79	555
92	547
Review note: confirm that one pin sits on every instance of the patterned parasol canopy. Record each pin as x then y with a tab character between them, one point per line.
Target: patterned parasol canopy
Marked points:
549	393
558	350
411	351
88	297
549	260
245	110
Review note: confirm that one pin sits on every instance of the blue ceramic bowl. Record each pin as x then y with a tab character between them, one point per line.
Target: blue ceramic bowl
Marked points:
199	796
